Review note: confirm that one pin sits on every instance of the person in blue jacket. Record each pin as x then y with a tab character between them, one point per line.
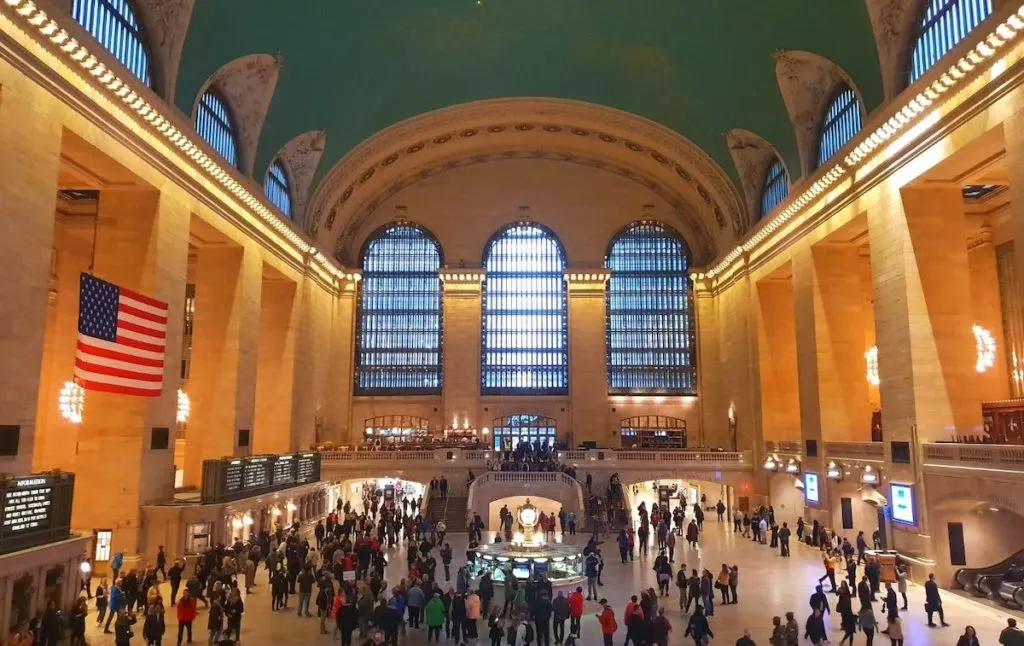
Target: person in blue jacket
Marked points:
117	601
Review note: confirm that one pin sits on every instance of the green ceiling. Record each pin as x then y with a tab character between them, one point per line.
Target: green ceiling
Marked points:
700	67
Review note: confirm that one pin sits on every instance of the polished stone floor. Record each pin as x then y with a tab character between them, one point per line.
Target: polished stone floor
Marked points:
769	585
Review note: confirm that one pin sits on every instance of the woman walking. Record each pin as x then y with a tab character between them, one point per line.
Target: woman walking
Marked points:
698	628
866	619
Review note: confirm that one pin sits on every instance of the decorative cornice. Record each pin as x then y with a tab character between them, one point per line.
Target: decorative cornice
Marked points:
884	133
586	282
96	68
461	282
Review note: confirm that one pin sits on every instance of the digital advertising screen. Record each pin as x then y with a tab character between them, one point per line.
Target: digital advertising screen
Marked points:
902	503
811	492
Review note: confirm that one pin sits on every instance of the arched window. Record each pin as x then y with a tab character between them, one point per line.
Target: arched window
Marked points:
509	431
524	324
277	189
842	122
399	327
775	189
396	429
114	24
651	341
944	24
215	125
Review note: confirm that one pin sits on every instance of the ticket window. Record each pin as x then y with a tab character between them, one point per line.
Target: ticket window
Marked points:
53	589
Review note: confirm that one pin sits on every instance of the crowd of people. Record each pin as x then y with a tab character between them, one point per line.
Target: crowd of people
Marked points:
342	577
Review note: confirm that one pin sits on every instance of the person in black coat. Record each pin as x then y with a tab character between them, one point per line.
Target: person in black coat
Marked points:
814	629
932	600
819	601
698	627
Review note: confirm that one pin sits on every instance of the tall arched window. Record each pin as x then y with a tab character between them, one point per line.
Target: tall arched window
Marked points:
399	328
215	125
512	430
277	189
114	24
775	189
842	122
651	340
524	324
944	24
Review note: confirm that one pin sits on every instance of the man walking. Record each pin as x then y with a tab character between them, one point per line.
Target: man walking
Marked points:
932	601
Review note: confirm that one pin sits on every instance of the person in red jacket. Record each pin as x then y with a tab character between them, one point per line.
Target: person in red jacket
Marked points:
607	619
575	611
186	615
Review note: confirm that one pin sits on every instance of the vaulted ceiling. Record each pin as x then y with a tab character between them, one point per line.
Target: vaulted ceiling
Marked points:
698	67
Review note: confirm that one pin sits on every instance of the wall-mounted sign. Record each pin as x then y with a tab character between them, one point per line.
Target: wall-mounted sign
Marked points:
903	506
811	493
230	479
793	466
771	463
869	476
834	472
35	510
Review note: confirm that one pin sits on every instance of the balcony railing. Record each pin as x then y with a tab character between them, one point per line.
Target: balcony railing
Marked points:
527	480
592	458
784	446
873	451
967	456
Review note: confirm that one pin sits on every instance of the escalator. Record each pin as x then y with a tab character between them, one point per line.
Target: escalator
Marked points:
988	581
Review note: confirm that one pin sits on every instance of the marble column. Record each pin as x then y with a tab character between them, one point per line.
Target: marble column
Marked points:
462	329
142	245
30	138
224	354
588	356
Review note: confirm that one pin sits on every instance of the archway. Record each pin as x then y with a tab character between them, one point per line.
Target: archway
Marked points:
547	506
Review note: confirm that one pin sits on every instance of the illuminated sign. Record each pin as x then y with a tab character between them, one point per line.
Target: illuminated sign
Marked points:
35	510
793	467
230	479
811	493
902	501
869	476
834	472
771	464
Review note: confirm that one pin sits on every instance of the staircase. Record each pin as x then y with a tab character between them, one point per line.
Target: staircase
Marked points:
452	510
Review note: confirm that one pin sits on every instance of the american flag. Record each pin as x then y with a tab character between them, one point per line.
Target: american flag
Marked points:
121	339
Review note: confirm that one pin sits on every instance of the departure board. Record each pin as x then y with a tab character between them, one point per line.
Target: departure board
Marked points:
308	468
256	474
284	470
239	477
35	510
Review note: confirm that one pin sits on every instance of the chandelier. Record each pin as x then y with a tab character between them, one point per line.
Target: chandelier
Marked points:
71	402
184	407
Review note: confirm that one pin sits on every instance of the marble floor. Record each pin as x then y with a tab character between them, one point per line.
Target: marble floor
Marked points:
769	585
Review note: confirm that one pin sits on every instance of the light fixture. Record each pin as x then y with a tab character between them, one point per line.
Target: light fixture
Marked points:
247	520
71	402
993	509
291	506
184	407
871	356
236	523
85	567
485	430
986	345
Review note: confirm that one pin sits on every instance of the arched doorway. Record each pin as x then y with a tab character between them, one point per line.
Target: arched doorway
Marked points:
652	432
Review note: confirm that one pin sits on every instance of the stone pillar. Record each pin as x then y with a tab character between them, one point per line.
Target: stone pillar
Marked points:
987	311
926	347
588	355
708	376
30	138
462	328
776	339
56	437
276	366
224	354
142	245
340	426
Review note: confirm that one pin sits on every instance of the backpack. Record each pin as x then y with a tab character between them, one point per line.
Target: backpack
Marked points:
529	633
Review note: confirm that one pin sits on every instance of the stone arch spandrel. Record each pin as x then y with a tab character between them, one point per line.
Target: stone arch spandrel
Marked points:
301	156
166	23
752	155
570	127
247	84
895	25
808	82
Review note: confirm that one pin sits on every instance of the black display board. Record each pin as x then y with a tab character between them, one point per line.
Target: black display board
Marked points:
230	479
35	510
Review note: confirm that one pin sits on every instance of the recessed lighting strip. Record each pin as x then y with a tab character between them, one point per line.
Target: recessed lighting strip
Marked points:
1004	34
79	54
